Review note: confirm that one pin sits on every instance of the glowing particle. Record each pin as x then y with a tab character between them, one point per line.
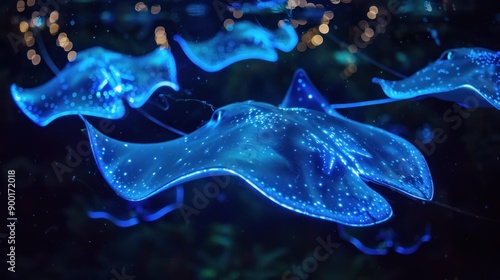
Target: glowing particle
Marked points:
228	24
20	6
54	28
155	9
36	59
141	7
328	15
323	28
317	40
369	32
23	26
68	47
301	47
237	13
30	54
54	16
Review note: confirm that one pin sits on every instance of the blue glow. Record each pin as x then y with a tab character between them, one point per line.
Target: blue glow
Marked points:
425	134
386	240
97	83
296	155
434	35
468	76
245	40
139	211
38	21
196	10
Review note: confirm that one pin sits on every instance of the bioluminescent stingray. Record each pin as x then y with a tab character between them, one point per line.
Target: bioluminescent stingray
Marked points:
299	157
146	210
384	240
457	74
97	83
243	40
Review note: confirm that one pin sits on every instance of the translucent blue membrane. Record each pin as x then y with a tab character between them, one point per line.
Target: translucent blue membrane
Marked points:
386	240
301	158
243	40
303	94
142	211
468	76
97	83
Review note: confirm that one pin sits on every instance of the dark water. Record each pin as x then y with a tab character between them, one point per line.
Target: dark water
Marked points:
242	235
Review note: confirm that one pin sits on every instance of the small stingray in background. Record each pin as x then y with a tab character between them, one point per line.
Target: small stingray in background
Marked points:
467	76
240	41
302	155
135	212
382	239
98	83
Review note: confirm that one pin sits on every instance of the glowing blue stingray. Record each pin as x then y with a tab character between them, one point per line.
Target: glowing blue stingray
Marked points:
300	158
243	40
97	83
456	74
146	210
386	239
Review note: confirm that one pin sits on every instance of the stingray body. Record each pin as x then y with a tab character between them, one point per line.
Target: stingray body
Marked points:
468	76
303	159
98	83
243	40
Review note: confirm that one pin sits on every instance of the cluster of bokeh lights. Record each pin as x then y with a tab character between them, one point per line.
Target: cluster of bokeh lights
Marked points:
141	7
161	37
40	19
366	29
160	33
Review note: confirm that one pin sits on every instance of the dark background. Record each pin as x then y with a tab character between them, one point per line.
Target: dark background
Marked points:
241	234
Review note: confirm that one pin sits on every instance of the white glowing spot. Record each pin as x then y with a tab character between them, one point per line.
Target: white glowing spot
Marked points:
118	88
